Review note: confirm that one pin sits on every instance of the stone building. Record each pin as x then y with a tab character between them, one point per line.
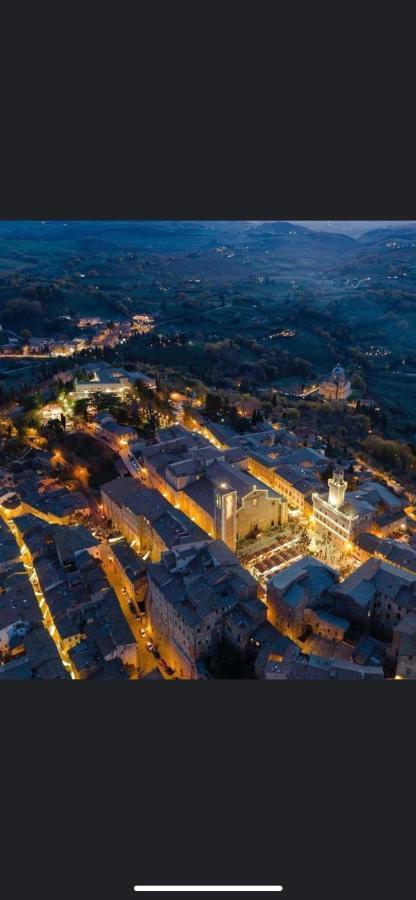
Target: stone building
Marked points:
337	386
218	495
119	437
377	596
147	520
196	598
402	653
295	474
341	515
295	591
128	567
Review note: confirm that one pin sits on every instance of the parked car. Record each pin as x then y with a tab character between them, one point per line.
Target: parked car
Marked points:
150	646
142	632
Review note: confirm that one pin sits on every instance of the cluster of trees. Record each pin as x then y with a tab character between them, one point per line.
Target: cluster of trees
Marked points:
30	417
169	340
228	362
36	302
393	455
341	427
141	407
219	407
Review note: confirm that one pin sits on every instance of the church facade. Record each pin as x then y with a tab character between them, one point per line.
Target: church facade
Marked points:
337	387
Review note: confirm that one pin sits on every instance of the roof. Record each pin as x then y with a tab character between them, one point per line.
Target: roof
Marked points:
72	539
172	525
16	669
116	429
203	581
305	578
173	433
396	552
301	482
305	457
154	675
223	477
140	500
17	599
326	616
376	493
9	550
378	577
130	561
43	655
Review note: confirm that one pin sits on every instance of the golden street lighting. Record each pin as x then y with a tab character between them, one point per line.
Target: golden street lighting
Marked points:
81	473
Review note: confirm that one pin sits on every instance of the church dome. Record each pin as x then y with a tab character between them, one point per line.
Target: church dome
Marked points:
338	373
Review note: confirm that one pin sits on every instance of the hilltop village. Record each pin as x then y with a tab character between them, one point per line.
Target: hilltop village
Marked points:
193	547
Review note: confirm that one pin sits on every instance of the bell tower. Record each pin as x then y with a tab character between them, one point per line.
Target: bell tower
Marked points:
226	516
337	488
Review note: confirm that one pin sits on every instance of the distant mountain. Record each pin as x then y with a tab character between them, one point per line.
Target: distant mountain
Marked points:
278	228
355	228
405	232
298	243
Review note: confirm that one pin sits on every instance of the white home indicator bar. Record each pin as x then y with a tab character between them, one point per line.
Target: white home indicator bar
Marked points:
162	888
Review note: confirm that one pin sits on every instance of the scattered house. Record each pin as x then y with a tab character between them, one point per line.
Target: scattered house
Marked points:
119	437
52	410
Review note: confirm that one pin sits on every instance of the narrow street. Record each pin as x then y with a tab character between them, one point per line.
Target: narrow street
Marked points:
146	661
33	578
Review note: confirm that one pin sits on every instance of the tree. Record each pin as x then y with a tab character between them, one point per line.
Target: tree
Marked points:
358	383
214	405
292	414
81	410
32	403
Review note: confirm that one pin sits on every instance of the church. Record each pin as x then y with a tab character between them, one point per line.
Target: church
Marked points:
337	387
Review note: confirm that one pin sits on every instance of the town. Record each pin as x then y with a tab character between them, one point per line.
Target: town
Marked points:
147	533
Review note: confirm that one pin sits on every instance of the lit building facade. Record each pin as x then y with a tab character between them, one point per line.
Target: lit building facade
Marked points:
195	599
337	519
147	520
223	500
337	387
